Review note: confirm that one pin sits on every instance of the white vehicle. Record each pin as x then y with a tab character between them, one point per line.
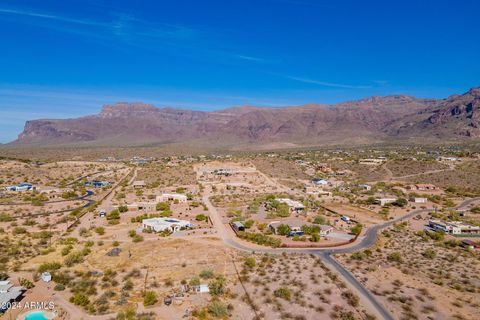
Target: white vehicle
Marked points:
345	218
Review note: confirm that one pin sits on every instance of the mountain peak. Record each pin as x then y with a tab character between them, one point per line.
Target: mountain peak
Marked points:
474	91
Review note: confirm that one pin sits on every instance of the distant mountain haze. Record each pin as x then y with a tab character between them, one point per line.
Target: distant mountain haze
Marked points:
370	120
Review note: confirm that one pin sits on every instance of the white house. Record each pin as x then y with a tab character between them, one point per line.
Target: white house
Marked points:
325	229
385	201
292	204
140	184
20	187
203	288
453	227
420	200
162	224
172	197
365	187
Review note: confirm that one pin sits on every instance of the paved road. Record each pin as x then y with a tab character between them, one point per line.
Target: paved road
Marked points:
367	241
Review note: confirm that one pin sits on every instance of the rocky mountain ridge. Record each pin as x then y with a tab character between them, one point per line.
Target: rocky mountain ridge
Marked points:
374	119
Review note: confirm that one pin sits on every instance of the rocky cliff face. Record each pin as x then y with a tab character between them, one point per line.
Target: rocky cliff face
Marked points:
455	117
368	120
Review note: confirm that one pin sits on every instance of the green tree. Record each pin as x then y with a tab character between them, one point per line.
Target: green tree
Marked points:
320	220
400	202
315	237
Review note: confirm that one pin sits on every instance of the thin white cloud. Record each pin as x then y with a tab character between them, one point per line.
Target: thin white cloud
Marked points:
125	29
250	58
53	17
327	84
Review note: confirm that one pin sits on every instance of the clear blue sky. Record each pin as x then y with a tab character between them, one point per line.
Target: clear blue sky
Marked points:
66	58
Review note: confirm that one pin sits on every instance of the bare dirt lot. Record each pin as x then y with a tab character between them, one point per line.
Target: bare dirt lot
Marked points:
417	277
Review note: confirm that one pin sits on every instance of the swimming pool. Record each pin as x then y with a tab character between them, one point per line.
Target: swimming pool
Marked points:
38	315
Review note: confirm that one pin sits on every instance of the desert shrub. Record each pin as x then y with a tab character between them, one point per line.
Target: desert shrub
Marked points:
201	217
429	253
206	274
395	257
59	287
250	262
284	293
261	239
80	299
357	229
217	309
217	286
73	258
49	266
149	298
283	229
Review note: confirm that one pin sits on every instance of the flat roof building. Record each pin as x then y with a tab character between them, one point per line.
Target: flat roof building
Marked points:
385	201
172	197
163	224
292	204
454	227
8	294
140	184
22	187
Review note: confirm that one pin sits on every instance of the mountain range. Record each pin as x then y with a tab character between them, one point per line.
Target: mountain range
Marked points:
370	120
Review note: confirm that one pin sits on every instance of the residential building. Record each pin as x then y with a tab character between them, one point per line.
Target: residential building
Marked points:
365	187
295	206
295	224
325	230
163	224
420	200
9	294
21	187
140	184
142	206
97	184
377	161
385	201
423	187
203	288
172	197
317	191
453	227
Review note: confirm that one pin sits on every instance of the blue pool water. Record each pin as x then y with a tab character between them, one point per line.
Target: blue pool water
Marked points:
36	316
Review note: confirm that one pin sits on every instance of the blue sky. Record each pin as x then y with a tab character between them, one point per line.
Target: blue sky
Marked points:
66	58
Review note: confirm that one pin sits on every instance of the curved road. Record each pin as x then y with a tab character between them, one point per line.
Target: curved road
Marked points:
367	241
